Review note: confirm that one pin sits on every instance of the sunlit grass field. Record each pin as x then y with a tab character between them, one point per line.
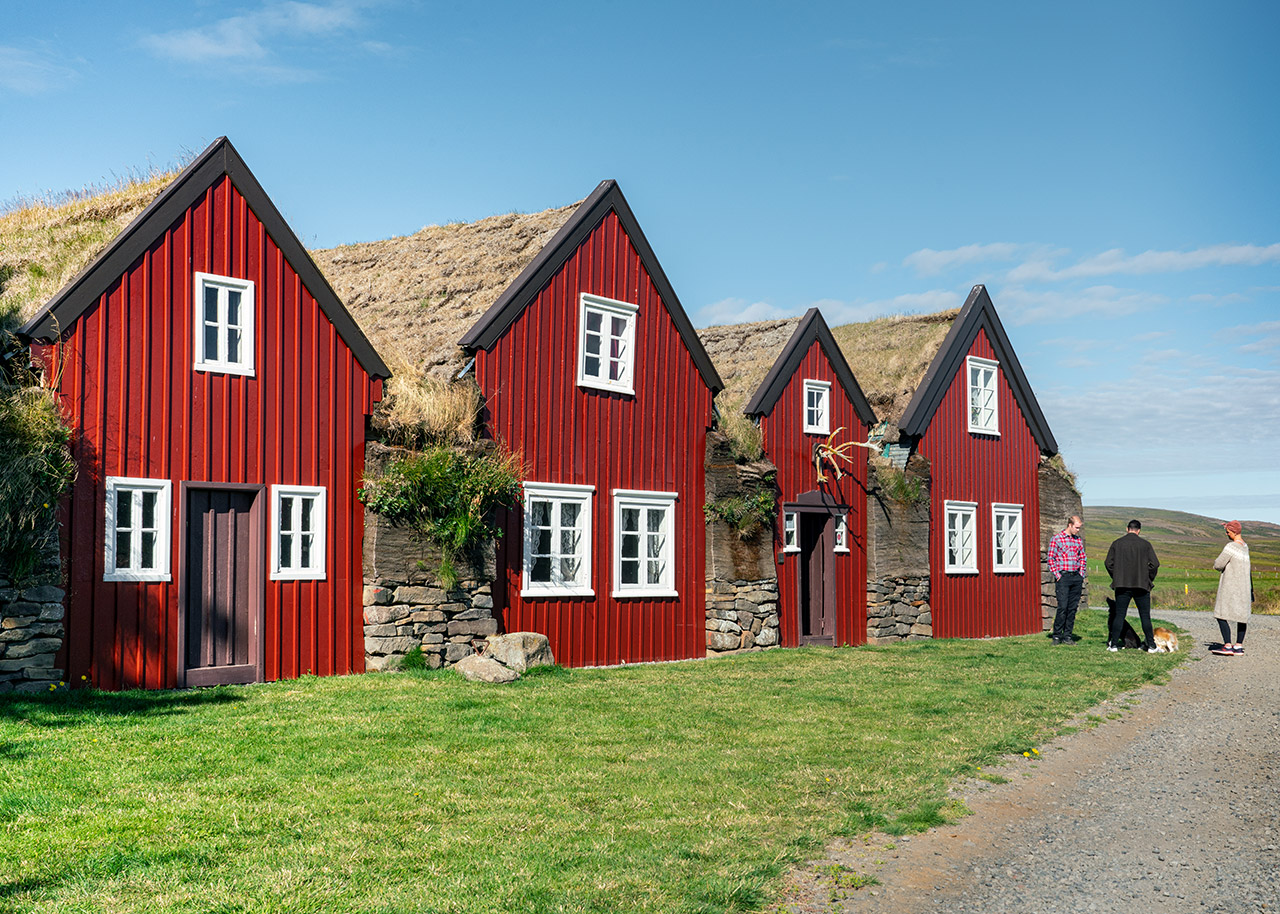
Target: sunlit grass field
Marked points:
683	787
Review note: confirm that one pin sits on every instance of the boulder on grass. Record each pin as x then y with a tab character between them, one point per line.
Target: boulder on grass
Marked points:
484	669
520	650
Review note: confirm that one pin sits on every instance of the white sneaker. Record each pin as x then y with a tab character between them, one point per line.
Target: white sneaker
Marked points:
1111	648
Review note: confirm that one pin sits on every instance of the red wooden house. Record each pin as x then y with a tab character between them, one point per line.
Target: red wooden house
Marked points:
810	397
218	392
591	370
976	419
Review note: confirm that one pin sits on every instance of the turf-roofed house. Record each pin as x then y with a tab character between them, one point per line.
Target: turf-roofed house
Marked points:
959	461
588	371
218	393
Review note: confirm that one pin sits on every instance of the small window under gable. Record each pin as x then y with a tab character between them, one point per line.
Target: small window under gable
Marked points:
139	520
984	416
557	540
962	537
224	322
817	407
1006	536
298	525
606	343
644	546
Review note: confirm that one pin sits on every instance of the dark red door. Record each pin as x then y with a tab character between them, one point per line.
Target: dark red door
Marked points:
817	580
224	586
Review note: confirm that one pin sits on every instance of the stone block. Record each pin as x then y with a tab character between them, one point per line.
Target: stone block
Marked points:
14	634
475	612
760	596
386	630
925	618
455	652
33	647
44	594
419	594
717	641
453	608
52	612
766	637
478	627
520	650
396	645
375	595
922	630
380	614
376	664
756	625
482	601
744	620
475	668
20	615
748	640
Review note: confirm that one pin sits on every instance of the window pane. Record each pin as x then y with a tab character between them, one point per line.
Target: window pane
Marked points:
540	513
630	546
286	550
542	542
594	319
630	519
148	550
631	572
655	545
149	510
569	570
124	509
233	346
618	326
286	513
593	344
211	342
308	505
123	546
655	572
211	304
591	366
304	560
569	512
541	570
568	542
233	307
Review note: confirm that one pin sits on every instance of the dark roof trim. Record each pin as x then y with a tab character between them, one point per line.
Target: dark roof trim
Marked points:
811	327
977	314
221	158
517	296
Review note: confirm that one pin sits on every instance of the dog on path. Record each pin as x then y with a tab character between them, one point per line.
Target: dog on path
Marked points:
1128	638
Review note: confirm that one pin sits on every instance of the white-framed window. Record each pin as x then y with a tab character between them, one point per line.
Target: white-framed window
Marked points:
557	540
224	321
984	415
644	543
298	522
842	534
817	407
790	532
1006	537
606	343
962	537
139	524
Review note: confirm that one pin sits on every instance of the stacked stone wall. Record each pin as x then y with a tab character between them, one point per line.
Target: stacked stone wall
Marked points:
31	626
1059	499
897	609
741	615
898	584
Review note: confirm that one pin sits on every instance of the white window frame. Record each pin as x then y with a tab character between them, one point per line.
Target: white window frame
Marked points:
1013	512
841	534
558	494
790	532
958	509
645	500
991	394
608	308
823	389
163	488
319	532
248	311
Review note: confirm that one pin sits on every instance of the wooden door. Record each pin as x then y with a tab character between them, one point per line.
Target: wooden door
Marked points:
816	579
224	587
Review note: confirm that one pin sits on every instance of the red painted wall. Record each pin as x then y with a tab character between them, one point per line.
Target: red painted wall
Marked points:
986	470
654	440
791	451
138	409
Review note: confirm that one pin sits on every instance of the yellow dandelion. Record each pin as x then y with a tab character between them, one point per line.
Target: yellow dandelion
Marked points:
1036	751
1026	755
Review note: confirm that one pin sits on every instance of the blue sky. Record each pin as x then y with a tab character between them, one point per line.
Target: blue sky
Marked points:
1108	170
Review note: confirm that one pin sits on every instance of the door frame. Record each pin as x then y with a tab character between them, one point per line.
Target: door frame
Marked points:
821	503
257	570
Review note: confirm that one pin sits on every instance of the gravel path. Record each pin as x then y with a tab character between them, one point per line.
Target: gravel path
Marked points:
1172	807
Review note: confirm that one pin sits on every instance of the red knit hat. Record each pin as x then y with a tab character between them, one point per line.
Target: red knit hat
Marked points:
1232	527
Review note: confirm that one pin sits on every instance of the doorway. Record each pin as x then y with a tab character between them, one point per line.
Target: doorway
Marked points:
816	578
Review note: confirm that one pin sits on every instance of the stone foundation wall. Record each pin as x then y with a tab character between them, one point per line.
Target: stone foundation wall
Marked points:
741	615
897	609
31	627
1059	499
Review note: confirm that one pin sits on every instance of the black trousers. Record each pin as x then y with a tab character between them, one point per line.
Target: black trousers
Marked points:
1141	599
1068	590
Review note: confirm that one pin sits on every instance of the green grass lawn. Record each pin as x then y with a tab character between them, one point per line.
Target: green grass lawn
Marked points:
673	787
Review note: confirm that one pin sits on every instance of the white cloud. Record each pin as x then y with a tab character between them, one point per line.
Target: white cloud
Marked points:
1255	339
250	38
1109	263
929	262
30	71
840	312
738	311
1032	306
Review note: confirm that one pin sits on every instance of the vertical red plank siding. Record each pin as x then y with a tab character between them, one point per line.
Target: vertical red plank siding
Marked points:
139	409
984	469
791	450
654	440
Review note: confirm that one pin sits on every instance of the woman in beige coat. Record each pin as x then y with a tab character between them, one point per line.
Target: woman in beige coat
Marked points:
1234	591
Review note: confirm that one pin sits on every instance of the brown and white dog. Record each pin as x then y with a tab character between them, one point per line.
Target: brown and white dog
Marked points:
1166	641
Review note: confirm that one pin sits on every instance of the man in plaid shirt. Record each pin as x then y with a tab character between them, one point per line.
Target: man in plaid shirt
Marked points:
1067	562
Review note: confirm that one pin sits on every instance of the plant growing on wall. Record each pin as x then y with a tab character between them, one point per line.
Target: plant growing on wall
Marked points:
446	497
897	485
746	513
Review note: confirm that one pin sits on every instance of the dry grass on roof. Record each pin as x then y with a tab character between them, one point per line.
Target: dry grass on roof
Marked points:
415	296
743	355
44	243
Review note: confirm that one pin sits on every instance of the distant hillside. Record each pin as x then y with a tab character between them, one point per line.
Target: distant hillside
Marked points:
1186	544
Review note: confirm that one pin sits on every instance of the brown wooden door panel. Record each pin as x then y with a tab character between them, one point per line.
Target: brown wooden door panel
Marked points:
816	578
224	586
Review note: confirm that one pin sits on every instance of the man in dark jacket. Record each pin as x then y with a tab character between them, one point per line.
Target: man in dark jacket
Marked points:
1132	564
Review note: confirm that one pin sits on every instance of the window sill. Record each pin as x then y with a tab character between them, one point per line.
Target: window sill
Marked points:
962	571
125	577
214	368
298	575
642	594
1007	570
587	384
527	593
986	432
